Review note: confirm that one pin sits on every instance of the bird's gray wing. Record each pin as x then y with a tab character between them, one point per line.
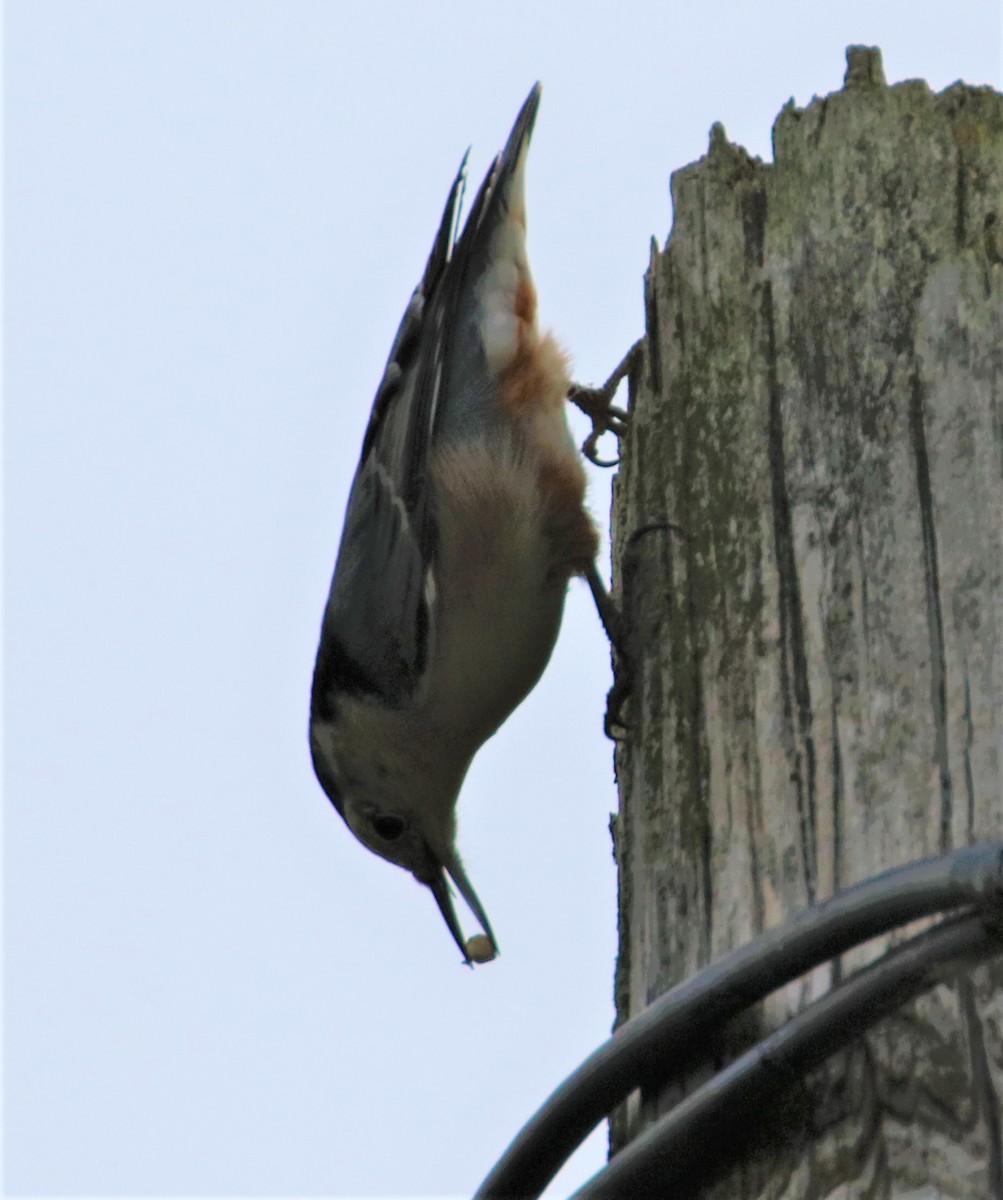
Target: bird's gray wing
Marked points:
374	638
380	608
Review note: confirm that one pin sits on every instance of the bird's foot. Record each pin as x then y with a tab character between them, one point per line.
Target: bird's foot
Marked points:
619	628
597	404
613	623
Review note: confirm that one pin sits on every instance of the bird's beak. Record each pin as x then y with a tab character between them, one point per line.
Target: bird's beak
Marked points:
439	885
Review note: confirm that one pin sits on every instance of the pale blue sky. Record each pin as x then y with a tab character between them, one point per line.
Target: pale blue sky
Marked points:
215	214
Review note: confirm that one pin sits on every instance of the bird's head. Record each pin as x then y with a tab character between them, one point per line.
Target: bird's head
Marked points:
398	796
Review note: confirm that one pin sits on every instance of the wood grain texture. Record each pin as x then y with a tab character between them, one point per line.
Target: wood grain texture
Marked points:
817	624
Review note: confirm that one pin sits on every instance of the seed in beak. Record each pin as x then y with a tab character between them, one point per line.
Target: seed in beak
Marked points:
480	948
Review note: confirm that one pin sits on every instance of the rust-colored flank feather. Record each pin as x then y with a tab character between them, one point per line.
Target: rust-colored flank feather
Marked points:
533	388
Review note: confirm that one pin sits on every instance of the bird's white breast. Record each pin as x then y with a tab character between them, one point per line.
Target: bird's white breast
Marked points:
500	593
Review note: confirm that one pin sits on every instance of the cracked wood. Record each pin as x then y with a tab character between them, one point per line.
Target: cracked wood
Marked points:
818	624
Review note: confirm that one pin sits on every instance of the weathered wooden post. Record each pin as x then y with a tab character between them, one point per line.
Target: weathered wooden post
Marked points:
817	624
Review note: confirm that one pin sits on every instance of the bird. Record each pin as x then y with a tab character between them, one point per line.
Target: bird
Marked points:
465	522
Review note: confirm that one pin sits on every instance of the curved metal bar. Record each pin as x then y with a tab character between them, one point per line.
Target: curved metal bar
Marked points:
697	1141
668	1035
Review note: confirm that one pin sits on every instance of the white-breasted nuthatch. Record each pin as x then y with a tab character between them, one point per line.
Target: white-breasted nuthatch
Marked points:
465	522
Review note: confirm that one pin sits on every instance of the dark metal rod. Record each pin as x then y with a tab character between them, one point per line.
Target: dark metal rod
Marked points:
671	1032
697	1141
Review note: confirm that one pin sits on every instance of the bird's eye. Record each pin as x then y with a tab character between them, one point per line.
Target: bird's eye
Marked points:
389	827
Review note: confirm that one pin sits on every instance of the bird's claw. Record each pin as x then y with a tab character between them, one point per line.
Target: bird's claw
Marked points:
616	631
597	404
615	725
606	418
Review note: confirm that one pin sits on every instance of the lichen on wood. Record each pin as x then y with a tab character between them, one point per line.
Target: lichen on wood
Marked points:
816	602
